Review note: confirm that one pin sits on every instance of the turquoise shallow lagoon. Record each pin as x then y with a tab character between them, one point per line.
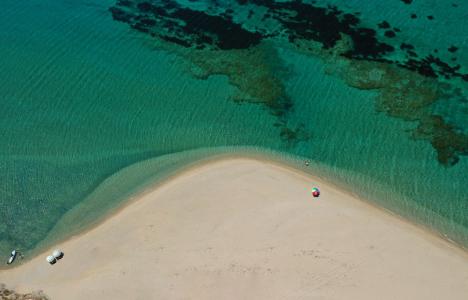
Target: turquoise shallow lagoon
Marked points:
92	111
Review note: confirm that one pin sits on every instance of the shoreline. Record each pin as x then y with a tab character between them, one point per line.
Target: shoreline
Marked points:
234	211
272	158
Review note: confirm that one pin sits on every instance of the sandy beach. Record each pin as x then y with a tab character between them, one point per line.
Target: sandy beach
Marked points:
246	229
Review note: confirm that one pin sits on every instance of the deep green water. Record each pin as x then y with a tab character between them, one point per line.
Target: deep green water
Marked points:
91	111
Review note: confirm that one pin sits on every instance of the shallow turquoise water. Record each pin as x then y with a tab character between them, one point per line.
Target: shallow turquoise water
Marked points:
84	97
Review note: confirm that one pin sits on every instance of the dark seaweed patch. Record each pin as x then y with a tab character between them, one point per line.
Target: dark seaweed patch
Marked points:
431	66
413	16
412	53
405	46
119	14
390	34
186	27
452	49
384	25
422	67
326	25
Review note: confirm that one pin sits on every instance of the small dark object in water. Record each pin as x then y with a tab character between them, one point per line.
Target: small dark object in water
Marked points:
384	25
430	17
405	46
390	33
413	16
453	49
412	53
407	1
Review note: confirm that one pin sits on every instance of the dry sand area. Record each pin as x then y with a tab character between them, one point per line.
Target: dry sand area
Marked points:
245	229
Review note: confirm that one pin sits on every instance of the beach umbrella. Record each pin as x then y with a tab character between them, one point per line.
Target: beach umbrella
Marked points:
51	259
315	192
58	254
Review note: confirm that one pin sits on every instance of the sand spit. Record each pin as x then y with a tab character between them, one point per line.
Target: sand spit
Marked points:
247	229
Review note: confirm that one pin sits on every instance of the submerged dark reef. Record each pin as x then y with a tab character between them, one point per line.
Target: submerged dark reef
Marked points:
186	27
237	40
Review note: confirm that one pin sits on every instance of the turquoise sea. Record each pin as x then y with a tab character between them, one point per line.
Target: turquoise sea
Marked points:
99	99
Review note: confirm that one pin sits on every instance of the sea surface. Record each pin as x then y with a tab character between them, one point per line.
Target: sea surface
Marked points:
100	99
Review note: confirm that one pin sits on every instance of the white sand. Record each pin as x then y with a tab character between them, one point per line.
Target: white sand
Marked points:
244	229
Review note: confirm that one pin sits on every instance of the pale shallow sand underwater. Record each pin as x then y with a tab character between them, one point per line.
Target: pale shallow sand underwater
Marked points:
246	229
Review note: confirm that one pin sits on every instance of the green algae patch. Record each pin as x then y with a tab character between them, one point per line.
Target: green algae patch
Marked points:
410	96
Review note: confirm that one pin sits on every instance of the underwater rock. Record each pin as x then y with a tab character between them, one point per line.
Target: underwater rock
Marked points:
384	25
405	46
390	34
184	26
452	49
